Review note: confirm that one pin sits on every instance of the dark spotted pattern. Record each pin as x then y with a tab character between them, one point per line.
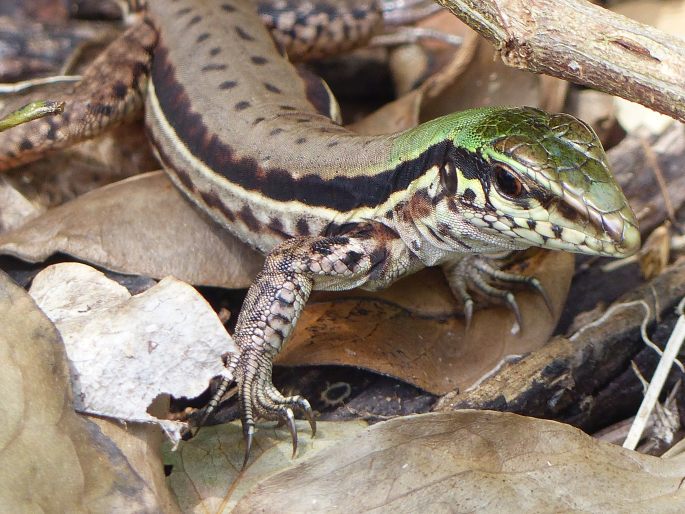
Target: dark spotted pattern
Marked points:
259	60
247	216
213	201
302	227
119	90
228	84
100	109
276	226
214	67
271	88
342	193
312	30
469	195
243	35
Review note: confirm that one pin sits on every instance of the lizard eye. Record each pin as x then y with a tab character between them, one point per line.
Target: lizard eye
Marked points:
506	182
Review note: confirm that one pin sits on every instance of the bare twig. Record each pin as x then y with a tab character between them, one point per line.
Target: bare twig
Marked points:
658	380
584	43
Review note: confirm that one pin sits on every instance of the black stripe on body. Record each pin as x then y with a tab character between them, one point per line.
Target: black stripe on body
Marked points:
342	193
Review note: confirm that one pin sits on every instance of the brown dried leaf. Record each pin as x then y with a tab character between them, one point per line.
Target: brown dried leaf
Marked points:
51	460
414	330
488	81
62	176
139	226
473	461
404	112
470	78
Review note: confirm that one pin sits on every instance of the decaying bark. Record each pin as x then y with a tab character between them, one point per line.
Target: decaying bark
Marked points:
586	44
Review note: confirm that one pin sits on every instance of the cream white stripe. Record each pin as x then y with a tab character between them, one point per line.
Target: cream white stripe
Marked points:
256	198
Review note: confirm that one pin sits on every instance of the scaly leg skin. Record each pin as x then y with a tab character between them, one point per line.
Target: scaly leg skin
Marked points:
477	272
272	308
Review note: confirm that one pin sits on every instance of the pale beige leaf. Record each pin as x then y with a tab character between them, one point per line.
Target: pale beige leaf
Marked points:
205	470
140	226
51	460
125	351
473	461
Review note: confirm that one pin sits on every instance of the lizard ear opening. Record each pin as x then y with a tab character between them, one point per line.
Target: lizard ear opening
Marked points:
448	177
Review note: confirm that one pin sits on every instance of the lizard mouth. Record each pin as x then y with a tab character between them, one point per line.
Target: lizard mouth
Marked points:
610	234
614	233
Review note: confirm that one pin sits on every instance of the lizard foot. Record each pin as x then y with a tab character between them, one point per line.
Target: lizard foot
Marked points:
260	398
476	272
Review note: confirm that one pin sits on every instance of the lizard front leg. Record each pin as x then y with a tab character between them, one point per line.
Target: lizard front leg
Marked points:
273	306
483	274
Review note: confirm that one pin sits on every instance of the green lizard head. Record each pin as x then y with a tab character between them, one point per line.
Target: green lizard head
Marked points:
519	177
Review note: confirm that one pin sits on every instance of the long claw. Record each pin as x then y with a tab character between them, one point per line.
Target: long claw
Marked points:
216	398
511	302
468	312
535	284
290	421
248	434
307	409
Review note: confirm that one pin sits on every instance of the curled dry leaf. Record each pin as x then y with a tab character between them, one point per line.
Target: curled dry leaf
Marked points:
414	330
473	461
656	251
126	351
139	226
204	484
52	460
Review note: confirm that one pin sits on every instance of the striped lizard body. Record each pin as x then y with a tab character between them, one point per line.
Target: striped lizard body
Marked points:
244	135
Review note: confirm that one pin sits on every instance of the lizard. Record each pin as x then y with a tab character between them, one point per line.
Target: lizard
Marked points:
255	144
